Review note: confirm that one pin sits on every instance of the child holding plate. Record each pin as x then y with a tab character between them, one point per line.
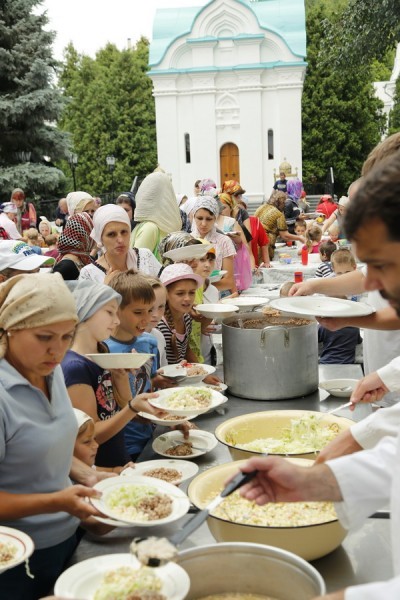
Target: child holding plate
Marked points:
93	389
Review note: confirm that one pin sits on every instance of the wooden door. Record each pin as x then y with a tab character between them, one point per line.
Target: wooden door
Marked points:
229	162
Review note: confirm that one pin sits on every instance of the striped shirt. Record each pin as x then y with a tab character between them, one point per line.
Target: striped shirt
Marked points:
181	339
324	270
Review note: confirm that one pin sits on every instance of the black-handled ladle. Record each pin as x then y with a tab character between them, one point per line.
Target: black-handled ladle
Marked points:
194	523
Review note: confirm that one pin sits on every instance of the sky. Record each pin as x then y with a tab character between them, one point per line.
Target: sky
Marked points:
90	24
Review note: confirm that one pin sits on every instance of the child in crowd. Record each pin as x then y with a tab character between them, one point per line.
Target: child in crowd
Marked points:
93	389
343	261
86	446
339	347
157	314
313	240
135	313
325	252
300	227
209	294
176	325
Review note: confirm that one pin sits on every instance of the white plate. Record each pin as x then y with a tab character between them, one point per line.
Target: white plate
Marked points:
246	302
186	468
188	252
180	372
217	310
203	439
197	379
120	360
20	541
280	244
168	422
83	579
333	387
322	306
180	502
217	277
161	401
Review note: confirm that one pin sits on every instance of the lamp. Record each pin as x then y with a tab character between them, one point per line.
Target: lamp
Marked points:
111	160
73	161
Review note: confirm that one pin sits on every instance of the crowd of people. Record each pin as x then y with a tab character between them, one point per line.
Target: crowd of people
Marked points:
112	286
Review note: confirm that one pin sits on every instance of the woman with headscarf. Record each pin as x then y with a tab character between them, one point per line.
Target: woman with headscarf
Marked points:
205	213
231	193
37	430
111	232
292	210
79	202
26	215
128	203
74	246
274	222
157	212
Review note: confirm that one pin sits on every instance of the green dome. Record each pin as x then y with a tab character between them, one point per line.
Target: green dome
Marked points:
285	18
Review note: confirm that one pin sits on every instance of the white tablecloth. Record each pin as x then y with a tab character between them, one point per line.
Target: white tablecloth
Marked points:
279	272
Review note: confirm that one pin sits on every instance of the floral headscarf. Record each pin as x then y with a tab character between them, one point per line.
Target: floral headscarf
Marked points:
75	238
228	200
177	239
294	188
232	187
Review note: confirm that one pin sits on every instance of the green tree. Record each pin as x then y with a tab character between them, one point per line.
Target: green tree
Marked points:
367	29
110	111
340	113
394	116
29	103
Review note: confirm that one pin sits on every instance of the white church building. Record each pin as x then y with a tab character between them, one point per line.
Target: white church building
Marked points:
228	79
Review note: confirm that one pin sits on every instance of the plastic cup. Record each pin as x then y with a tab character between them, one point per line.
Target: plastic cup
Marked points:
298	276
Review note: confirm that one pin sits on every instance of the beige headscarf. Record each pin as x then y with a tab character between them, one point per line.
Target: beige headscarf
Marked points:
156	202
28	301
77	201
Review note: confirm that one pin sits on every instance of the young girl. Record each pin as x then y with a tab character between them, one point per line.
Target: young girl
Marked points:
176	325
85	448
157	314
205	267
313	240
93	389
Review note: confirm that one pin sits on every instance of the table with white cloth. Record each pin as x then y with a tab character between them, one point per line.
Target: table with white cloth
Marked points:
364	555
280	272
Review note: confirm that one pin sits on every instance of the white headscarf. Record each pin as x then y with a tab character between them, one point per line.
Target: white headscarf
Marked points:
156	202
208	203
112	213
76	201
107	214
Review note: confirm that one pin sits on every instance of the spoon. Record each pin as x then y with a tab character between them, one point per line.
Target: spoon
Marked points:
346	405
341	389
152	560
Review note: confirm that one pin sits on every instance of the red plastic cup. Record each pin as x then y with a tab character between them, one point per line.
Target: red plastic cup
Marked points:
298	276
289	243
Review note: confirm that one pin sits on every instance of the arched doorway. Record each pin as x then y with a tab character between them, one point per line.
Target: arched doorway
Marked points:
229	162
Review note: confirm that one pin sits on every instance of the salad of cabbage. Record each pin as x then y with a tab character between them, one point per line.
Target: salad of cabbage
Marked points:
237	509
120	583
189	397
307	434
139	503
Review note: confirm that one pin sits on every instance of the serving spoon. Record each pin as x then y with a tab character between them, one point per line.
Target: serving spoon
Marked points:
139	545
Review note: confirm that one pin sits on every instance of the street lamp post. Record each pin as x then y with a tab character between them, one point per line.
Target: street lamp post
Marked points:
110	160
73	161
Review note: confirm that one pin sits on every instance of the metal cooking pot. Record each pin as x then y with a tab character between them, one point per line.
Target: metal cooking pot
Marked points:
270	361
249	568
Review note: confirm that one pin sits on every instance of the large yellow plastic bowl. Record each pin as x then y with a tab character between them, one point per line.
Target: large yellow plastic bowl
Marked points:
309	541
253	426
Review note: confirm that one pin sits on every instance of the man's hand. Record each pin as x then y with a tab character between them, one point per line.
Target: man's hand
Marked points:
343	444
302	289
369	389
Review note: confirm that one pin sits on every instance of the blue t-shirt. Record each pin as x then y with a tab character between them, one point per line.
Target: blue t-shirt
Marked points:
338	347
77	370
138	434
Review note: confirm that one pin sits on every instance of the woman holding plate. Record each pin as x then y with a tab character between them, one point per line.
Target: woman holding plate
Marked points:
37	430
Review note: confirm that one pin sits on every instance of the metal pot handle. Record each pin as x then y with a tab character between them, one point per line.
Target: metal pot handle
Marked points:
286	338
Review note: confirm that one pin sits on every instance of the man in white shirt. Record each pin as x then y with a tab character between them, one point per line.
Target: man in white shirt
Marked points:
367	480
